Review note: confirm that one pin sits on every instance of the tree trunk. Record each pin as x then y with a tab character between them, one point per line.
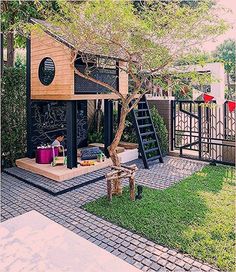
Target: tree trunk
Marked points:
10	49
113	146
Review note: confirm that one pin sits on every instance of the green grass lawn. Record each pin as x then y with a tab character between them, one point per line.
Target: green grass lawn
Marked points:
195	216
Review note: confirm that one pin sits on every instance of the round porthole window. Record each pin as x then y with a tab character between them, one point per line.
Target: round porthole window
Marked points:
46	71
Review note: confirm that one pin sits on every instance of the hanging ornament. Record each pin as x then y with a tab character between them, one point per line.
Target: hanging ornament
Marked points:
207	98
220	101
231	105
196	94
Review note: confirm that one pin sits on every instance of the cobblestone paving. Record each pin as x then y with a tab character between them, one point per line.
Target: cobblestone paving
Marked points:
19	197
159	176
163	175
55	187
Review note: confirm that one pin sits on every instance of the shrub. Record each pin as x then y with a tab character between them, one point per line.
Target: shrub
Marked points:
13	112
129	134
161	130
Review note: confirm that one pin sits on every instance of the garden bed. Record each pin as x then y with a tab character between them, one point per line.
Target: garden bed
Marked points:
195	216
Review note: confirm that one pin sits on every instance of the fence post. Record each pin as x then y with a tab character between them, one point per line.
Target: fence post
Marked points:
172	124
225	121
199	131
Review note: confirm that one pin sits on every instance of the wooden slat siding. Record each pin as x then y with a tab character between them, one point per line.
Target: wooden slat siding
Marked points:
123	79
62	86
43	45
76	97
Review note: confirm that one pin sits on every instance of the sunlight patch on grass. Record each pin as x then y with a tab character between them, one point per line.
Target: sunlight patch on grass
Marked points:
195	216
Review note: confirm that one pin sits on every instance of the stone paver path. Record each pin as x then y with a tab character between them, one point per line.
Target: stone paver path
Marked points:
159	176
19	197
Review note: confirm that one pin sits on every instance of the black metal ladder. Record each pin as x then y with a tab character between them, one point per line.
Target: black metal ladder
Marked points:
149	146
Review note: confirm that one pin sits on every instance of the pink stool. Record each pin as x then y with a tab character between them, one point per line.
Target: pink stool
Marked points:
45	155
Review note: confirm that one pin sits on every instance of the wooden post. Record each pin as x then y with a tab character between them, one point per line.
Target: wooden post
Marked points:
119	173
109	189
132	187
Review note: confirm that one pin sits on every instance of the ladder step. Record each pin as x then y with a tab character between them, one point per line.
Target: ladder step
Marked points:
146	136
154	158
144	126
147	133
143	117
140	110
149	142
152	149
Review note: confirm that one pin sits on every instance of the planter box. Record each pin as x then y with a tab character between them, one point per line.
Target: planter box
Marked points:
128	155
228	151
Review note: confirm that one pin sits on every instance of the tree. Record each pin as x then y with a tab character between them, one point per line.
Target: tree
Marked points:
225	52
14	13
148	41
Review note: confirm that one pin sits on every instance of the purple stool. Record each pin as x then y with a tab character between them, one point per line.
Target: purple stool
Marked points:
45	155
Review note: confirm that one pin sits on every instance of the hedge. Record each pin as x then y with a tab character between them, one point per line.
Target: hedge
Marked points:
13	112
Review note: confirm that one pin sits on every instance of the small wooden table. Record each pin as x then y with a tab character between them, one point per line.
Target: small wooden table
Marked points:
32	242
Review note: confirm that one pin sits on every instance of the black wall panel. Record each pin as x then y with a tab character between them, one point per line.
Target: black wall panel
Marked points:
48	118
83	86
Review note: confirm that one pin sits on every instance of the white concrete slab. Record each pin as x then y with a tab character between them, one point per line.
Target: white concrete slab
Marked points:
32	242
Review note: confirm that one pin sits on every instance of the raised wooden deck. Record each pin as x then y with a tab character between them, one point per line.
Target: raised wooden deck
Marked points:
61	172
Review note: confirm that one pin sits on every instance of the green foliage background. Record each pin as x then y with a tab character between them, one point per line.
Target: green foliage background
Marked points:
161	130
13	113
129	134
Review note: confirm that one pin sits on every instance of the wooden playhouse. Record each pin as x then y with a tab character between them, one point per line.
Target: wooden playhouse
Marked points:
57	101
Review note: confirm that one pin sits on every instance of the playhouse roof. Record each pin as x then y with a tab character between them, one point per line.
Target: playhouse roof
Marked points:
50	29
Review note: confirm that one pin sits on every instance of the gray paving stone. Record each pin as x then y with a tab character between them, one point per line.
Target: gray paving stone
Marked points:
146	262
155	266
19	197
171	266
147	254
138	257
138	265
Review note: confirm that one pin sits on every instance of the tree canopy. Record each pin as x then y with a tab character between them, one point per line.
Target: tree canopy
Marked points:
14	14
150	40
225	52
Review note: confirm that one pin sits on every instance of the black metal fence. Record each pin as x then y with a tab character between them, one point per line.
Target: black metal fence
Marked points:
204	131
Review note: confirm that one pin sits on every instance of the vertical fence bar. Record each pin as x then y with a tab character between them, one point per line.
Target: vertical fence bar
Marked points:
71	126
225	121
191	123
172	125
208	129
199	131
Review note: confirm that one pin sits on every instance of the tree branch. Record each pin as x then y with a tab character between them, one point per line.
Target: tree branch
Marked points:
113	90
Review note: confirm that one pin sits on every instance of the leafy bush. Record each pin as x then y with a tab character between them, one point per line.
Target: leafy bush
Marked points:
129	134
13	113
161	130
95	137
